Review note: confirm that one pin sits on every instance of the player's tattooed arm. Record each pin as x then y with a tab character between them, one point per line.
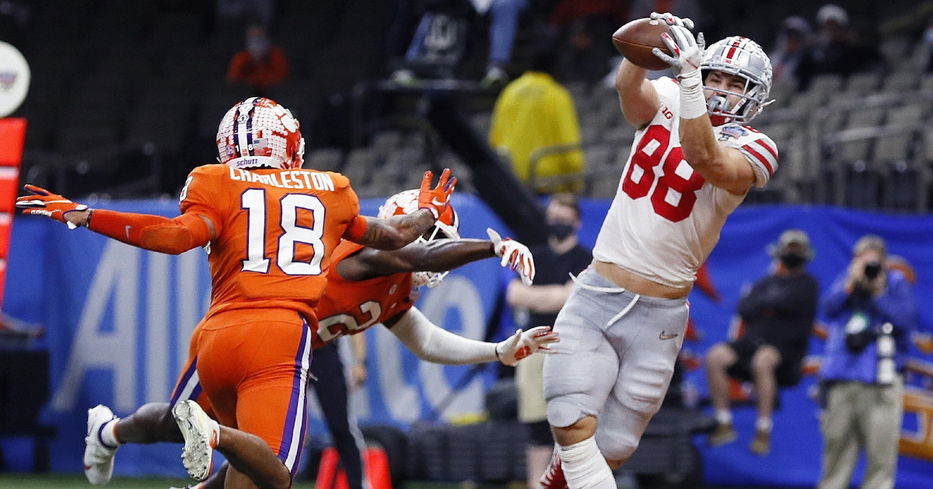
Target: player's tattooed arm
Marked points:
396	231
433	256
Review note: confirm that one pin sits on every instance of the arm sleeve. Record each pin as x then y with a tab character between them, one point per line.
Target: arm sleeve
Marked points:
155	233
432	343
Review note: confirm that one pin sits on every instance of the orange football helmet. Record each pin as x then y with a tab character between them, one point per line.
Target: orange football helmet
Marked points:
447	226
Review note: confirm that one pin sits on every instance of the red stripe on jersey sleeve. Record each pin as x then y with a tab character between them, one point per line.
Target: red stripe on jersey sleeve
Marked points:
759	157
769	146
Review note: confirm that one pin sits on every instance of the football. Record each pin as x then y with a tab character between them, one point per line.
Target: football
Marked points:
636	39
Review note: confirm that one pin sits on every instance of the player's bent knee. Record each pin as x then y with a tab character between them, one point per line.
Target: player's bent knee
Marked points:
575	432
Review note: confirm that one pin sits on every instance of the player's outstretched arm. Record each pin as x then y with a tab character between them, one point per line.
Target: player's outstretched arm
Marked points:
438	256
719	165
155	233
397	231
638	98
434	344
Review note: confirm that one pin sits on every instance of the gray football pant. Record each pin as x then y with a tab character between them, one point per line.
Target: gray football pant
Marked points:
614	361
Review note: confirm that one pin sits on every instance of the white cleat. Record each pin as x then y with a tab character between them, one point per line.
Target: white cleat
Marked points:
201	434
98	456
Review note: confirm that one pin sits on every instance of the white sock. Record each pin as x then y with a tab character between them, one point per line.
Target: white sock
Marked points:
585	467
763	424
109	433
723	416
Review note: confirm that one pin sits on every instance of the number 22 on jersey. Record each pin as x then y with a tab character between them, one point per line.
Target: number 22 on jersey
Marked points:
640	176
257	256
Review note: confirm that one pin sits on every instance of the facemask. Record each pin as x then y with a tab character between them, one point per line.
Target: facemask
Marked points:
257	47
560	231
792	260
718	102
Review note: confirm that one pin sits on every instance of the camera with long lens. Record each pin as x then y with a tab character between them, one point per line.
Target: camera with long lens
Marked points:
872	270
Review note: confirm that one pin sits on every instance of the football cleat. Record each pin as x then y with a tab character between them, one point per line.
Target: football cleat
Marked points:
258	132
201	434
553	477
447	226
98	456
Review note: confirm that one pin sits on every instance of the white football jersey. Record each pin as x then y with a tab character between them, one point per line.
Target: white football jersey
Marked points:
665	218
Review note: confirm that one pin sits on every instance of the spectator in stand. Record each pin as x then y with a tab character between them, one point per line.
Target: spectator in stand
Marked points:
534	123
443	20
261	65
872	312
538	305
792	47
778	312
838	48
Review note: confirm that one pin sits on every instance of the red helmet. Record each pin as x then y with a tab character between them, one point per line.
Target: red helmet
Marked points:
259	132
447	226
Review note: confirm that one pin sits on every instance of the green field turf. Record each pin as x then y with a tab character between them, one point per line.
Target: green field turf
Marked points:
77	481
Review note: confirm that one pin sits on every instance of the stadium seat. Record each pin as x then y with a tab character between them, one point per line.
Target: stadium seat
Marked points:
894	147
867	117
900	81
862	185
905	187
359	165
906	115
329	159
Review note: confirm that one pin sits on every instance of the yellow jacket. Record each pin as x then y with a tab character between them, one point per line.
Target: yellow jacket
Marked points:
533	112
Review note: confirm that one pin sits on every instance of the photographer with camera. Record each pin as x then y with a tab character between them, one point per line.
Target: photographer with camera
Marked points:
871	311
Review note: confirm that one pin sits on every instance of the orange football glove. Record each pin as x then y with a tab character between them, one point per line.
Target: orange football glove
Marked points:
45	203
437	199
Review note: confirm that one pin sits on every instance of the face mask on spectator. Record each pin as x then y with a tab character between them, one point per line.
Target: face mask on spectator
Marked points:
560	230
257	47
792	260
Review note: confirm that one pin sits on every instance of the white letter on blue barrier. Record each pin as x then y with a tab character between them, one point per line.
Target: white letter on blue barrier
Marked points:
115	282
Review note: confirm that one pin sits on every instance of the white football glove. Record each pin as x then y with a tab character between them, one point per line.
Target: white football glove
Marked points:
687	50
525	343
514	254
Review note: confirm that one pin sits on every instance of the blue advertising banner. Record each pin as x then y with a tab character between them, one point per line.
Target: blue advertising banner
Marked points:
118	321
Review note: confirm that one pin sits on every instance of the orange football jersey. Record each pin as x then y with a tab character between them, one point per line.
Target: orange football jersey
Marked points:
274	233
351	307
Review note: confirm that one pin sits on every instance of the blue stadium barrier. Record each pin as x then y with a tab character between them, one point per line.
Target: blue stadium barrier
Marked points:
118	321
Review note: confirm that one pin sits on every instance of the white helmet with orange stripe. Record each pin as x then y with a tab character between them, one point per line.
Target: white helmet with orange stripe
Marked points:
258	132
741	57
447	226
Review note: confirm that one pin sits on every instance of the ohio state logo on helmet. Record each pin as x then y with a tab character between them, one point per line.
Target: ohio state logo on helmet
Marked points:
742	57
447	226
259	132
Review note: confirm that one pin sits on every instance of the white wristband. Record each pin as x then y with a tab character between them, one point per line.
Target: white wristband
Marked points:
692	100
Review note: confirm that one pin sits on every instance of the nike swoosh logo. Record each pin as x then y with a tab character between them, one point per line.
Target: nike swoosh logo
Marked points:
127	231
436	202
667	336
